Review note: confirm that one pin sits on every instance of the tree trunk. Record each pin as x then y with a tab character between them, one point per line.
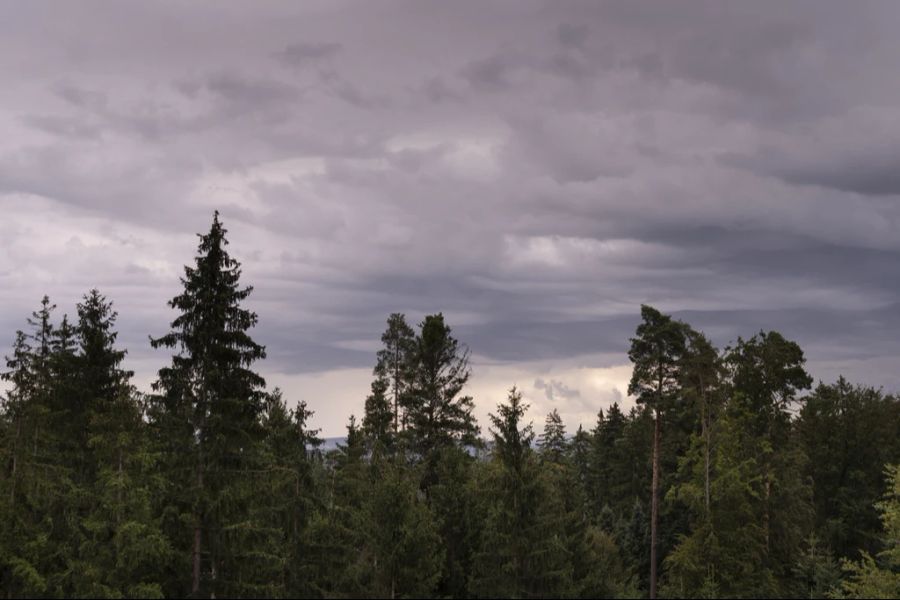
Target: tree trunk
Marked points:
198	528
654	504
119	492
396	389
15	462
705	423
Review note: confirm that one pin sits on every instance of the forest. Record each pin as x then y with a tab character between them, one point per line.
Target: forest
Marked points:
734	474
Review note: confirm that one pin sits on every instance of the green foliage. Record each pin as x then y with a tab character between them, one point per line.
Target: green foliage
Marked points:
436	414
849	433
208	421
879	577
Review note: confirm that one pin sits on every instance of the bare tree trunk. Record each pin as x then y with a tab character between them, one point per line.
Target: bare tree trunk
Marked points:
654	504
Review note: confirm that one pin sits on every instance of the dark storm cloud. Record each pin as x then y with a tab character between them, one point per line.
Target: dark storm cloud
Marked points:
872	171
534	170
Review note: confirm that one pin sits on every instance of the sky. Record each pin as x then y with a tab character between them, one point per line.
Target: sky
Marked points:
534	170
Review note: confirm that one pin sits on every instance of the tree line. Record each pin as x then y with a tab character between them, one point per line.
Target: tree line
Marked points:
731	476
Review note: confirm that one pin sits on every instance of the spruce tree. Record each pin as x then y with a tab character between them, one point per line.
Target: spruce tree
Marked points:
22	477
288	492
552	441
122	546
378	420
523	551
210	401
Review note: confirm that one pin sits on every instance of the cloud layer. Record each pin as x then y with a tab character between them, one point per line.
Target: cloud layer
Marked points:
534	170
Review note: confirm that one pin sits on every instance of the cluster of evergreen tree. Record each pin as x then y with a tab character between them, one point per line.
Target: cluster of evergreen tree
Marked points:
730	477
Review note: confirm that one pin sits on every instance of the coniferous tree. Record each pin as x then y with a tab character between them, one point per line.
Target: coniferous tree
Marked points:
767	373
523	550
378	420
394	366
452	502
848	432
288	495
404	547
122	545
656	353
22	477
552	440
879	577
209	415
436	413
701	375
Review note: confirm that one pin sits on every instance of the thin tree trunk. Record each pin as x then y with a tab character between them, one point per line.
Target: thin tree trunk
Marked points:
654	504
198	528
396	388
705	423
15	462
119	492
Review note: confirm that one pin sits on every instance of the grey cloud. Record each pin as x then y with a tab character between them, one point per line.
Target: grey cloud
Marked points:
572	35
868	171
553	389
304	53
533	170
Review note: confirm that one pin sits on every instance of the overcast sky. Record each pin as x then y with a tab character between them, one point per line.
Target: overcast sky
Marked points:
534	170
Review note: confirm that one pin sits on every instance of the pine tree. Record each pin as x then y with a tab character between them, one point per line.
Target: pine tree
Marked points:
656	353
209	414
395	366
701	376
766	375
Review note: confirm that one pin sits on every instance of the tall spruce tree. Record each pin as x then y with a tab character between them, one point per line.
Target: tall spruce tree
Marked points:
523	551
210	404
